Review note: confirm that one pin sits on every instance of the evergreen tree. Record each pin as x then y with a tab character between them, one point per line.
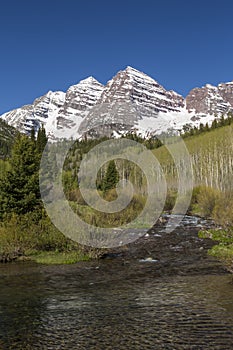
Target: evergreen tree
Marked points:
221	121
19	189
214	124
206	128
201	127
111	177
33	135
41	140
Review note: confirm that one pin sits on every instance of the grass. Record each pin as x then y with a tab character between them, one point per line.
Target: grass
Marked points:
224	249
121	218
23	239
211	156
57	258
224	252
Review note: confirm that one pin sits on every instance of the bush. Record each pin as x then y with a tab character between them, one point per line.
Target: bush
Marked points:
23	233
222	213
223	210
102	219
207	198
170	200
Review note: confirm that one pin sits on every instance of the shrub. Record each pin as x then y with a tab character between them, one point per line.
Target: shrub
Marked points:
207	198
223	210
24	233
170	200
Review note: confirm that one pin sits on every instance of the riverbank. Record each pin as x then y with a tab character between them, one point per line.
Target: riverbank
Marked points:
27	238
182	251
46	257
178	252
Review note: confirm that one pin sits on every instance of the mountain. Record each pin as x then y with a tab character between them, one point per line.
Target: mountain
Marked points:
130	101
79	100
43	111
211	99
60	113
129	97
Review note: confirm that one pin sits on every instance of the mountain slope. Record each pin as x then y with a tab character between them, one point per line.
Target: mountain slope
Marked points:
211	155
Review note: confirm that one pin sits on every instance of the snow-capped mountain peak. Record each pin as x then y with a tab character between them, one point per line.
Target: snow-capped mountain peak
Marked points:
131	100
88	80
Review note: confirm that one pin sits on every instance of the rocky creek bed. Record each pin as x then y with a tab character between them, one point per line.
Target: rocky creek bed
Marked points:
178	252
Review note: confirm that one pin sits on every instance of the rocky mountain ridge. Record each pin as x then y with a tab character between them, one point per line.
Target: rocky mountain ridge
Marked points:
211	99
130	101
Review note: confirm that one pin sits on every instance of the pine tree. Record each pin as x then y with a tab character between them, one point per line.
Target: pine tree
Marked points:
111	177
214	124
33	135
206	128
19	189
201	127
41	140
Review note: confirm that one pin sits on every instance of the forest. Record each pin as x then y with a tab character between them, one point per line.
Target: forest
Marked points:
26	231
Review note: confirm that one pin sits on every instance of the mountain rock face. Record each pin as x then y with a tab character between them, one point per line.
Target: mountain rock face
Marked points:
79	99
60	113
130	101
42	111
139	89
211	99
129	97
18	116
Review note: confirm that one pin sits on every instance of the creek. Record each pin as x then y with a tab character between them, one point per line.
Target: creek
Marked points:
161	292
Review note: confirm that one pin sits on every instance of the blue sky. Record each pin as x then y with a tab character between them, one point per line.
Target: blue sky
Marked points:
52	44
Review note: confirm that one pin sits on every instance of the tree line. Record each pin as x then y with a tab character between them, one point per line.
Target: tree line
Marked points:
189	130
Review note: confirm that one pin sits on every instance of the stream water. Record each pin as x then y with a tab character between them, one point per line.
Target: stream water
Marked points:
162	292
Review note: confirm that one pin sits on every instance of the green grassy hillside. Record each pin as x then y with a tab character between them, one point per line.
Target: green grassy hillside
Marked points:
212	158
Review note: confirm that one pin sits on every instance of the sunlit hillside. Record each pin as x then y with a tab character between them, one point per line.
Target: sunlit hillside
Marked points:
212	158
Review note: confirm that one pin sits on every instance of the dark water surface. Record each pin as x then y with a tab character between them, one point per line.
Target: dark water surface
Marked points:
121	303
